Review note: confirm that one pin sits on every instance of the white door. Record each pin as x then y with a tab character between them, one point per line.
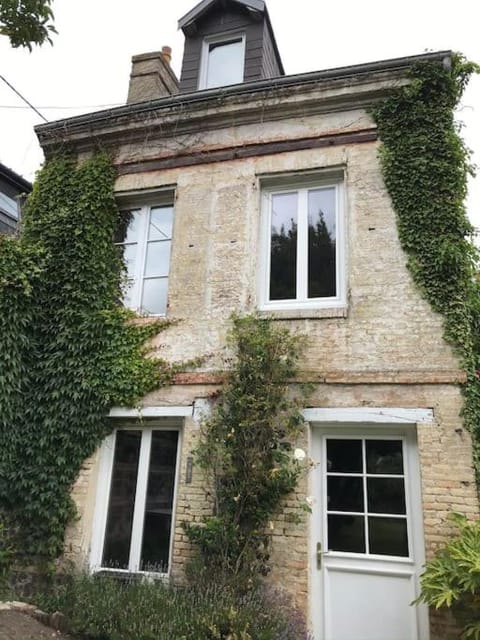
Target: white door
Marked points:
367	540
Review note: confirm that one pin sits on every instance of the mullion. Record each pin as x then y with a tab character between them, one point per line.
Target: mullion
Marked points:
302	246
365	497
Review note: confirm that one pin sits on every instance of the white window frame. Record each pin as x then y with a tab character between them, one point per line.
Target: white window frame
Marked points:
106	460
223	38
144	203
302	301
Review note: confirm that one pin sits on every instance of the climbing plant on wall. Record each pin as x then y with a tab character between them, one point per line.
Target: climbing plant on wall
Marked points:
68	350
426	165
246	450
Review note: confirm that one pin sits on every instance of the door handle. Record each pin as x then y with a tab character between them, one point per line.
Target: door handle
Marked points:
319	555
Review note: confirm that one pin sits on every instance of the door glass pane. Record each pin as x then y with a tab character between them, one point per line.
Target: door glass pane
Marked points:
322	272
158	258
344	456
346	533
154	298
158	508
283	253
161	222
384	456
225	63
388	536
118	531
345	493
386	495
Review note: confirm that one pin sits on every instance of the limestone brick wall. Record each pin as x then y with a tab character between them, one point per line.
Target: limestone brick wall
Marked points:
385	349
215	264
447	483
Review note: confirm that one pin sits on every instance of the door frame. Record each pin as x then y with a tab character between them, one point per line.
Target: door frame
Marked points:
367	421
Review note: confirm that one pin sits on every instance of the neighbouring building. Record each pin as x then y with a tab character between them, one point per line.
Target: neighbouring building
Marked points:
12	187
256	191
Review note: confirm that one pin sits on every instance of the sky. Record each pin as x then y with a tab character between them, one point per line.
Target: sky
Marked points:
88	66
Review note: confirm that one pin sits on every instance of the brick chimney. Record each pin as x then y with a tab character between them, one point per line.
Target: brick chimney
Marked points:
152	77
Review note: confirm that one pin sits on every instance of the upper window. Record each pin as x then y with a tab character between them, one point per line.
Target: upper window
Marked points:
145	239
303	250
223	60
9	205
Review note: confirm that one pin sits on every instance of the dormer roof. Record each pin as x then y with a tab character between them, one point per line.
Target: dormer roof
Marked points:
202	7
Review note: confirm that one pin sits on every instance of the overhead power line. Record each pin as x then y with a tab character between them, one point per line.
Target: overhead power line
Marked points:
79	106
23	98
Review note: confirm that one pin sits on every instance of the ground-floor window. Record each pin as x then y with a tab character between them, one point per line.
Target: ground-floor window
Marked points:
140	468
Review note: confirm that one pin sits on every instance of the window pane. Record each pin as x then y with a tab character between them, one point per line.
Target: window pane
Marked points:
345	493
388	536
386	495
154	299
225	63
129	226
9	205
346	533
128	253
118	531
161	223
344	456
321	243
283	255
158	508
384	456
158	258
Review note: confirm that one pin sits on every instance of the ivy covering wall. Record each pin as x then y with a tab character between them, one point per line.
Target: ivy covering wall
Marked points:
426	167
68	350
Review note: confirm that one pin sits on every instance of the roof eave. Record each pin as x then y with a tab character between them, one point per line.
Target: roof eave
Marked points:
202	7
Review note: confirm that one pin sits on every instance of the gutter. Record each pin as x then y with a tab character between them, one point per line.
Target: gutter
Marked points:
14	179
257	86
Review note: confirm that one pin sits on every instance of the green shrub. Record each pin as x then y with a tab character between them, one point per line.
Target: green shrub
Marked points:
452	578
110	608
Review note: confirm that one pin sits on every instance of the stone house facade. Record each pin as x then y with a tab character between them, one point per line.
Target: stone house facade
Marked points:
259	192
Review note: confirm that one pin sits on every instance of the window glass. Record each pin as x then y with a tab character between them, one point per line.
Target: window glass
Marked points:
283	252
304	265
225	63
139	515
161	223
388	536
9	205
158	507
144	240
158	258
344	456
345	493
116	550
154	298
346	533
384	456
366	504
322	273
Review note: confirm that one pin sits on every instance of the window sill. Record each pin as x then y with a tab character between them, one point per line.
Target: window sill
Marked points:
301	314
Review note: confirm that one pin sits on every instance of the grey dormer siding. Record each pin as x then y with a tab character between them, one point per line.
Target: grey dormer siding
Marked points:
261	54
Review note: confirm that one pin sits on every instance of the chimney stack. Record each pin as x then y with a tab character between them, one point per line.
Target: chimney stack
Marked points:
152	77
167	54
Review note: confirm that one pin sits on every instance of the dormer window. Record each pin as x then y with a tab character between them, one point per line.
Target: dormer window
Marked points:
223	61
227	42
